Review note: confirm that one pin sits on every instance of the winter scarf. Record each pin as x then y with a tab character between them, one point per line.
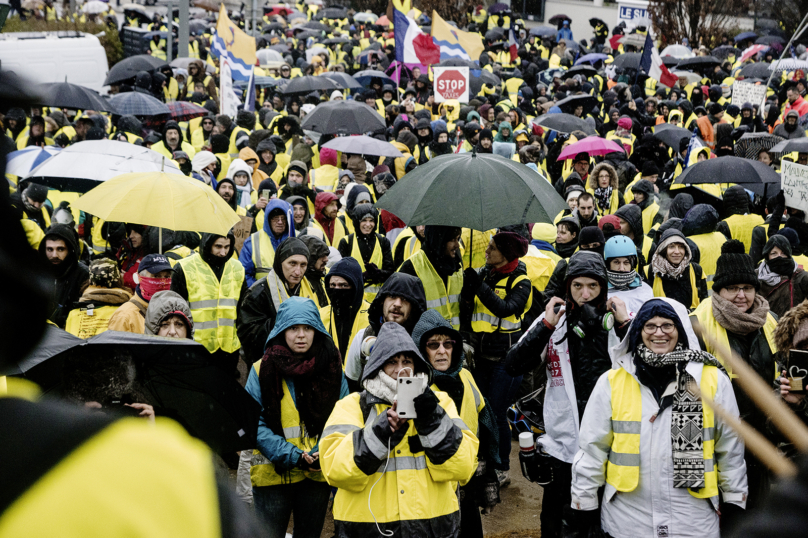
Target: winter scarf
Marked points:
772	272
604	197
662	267
384	387
243	195
277	289
317	384
565	250
728	316
687	428
619	281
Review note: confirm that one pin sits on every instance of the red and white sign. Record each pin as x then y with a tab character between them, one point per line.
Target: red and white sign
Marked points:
451	83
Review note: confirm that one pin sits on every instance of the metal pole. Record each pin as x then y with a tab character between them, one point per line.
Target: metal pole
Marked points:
254	17
787	48
183	35
170	26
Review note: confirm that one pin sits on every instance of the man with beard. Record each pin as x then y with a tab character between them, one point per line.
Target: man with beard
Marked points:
585	211
315	271
790	127
326	217
440	144
486	142
227	190
439	267
172	141
36	135
424	132
30	203
297	183
61	249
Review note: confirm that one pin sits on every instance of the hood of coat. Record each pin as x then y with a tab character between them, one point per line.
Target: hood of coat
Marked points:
67	234
247	153
592	181
278	206
647	188
172	125
164	304
238	165
392	340
206	243
736	201
399	285
302	202
586	263
681	204
322	201
632	214
297	311
701	219
789	324
362	211
349	269
431	323
201	73
289	247
355	191
130	124
265	145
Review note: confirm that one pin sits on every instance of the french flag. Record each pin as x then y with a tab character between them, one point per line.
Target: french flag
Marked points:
513	45
652	64
412	45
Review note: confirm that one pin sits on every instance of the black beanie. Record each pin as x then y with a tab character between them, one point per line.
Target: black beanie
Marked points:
734	266
219	143
649	168
36	192
591	234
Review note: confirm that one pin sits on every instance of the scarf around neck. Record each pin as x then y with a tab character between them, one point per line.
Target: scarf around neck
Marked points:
604	197
662	267
732	319
623	281
385	387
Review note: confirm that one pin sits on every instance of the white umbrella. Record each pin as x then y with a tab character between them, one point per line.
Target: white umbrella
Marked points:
21	162
363	145
94	7
677	51
268	55
691	77
84	165
366	17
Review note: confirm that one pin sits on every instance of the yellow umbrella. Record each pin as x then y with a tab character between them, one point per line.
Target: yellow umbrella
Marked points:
158	199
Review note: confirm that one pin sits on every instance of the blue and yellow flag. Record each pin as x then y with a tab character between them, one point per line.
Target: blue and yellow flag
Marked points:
230	42
455	43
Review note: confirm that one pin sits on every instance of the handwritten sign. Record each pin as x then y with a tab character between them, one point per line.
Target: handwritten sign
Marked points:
242	231
743	92
794	182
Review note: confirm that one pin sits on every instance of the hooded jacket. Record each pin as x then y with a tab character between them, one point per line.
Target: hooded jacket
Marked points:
69	277
268	168
245	256
202	76
299	200
792	289
678	289
348	307
437	148
367	244
632	214
238	165
164	304
257	175
786	131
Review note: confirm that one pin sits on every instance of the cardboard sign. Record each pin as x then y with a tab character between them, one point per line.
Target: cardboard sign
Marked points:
797	370
743	92
794	183
242	231
451	83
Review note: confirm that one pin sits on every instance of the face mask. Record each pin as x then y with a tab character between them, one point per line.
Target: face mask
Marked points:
781	266
340	298
149	286
187	168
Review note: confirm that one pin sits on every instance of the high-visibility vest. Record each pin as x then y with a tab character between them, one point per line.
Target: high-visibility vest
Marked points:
627	142
171	90
232	149
175	255
99	243
193	49
325	178
473	252
376	258
648	215
741	226
484	321
340	231
659	290
88	321
709	325
710	247
190	85
438	297
613	204
472	404
158	50
263	254
214	302
45	217
262	471
623	467
359	324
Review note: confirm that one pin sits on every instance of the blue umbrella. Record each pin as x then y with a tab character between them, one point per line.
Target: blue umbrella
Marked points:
745	36
138	104
591	58
543	31
365	77
20	163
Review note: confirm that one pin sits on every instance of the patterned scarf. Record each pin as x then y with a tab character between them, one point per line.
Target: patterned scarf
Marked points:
604	197
687	426
662	267
620	281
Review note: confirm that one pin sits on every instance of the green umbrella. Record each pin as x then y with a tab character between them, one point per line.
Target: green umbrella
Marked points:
477	191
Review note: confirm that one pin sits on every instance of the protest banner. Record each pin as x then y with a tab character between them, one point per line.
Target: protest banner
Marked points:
743	92
794	183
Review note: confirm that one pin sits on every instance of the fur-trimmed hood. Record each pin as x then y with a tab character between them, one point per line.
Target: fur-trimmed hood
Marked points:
788	325
592	181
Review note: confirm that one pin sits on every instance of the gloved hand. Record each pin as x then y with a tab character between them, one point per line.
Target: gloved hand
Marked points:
576	523
471	279
425	403
731	514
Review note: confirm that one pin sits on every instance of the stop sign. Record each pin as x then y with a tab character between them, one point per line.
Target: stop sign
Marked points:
452	84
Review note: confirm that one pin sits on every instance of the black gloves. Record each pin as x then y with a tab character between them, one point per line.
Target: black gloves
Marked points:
731	514
471	279
425	403
372	273
576	523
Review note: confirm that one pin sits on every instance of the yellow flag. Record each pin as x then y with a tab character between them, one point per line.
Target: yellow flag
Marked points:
455	43
231	42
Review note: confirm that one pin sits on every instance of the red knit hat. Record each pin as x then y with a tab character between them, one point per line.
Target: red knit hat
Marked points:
511	245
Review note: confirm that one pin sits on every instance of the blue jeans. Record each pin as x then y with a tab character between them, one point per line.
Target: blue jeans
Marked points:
306	500
500	390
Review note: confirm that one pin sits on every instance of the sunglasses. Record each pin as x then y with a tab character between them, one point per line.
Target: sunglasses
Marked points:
447	345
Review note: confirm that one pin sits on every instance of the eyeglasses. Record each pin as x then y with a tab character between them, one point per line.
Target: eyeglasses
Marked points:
650	328
434	346
735	289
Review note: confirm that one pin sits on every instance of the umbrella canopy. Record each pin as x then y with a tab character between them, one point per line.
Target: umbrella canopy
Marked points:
67	95
691	78
495	34
769	40
363	145
569	104
594	21
591	58
94	7
498	8
273	27
163	200
751	51
800	145
84	165
543	31
557	19
185	111
725	51
575	46
629	60
458	62
265	56
755	70
342	80
478	77
671	135
670	61
744	36
183	63
728	170
593	145
366	17
307	84
790	64
336	12
698	62
677	51
750	144
564	123
585	70
474	191
365	78
636	40
21	162
343	117
197	27
318	26
129	68
139	104
383	21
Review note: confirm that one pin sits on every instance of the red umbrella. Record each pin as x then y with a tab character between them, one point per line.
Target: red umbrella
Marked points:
592	145
383	21
184	111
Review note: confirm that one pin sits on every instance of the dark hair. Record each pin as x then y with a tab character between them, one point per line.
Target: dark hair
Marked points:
586	196
567	228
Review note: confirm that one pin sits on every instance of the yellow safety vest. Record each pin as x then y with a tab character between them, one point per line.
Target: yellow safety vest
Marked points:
704	314
438	297
175	255
484	321
741	226
659	291
476	258
171	91
624	141
472	404
623	467
263	254
190	85
158	49
88	321
710	247
214	303
193	49
232	149
648	215
359	324
262	471
376	258
613	204
99	243
325	178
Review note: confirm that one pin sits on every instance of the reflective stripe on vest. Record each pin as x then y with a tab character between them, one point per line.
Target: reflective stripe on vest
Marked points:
325	177
213	302
623	467
262	471
446	302
376	258
263	254
704	313
484	321
659	291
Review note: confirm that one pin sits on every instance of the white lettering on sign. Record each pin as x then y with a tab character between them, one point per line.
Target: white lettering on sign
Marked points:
451	83
794	183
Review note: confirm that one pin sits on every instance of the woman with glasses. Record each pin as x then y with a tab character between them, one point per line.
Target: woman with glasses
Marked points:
442	347
739	318
647	437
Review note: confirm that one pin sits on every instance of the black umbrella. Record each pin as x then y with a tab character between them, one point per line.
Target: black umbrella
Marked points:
728	170
671	135
66	95
543	31
800	145
769	40
478	77
332	13
178	375
308	84
273	27
564	123
582	69
555	19
197	27
365	78
670	61
750	144
343	117
569	104
495	34
628	60
309	33
336	41
280	47
458	62
498	8
343	80
128	68
756	70
318	26
593	22
699	62
725	51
